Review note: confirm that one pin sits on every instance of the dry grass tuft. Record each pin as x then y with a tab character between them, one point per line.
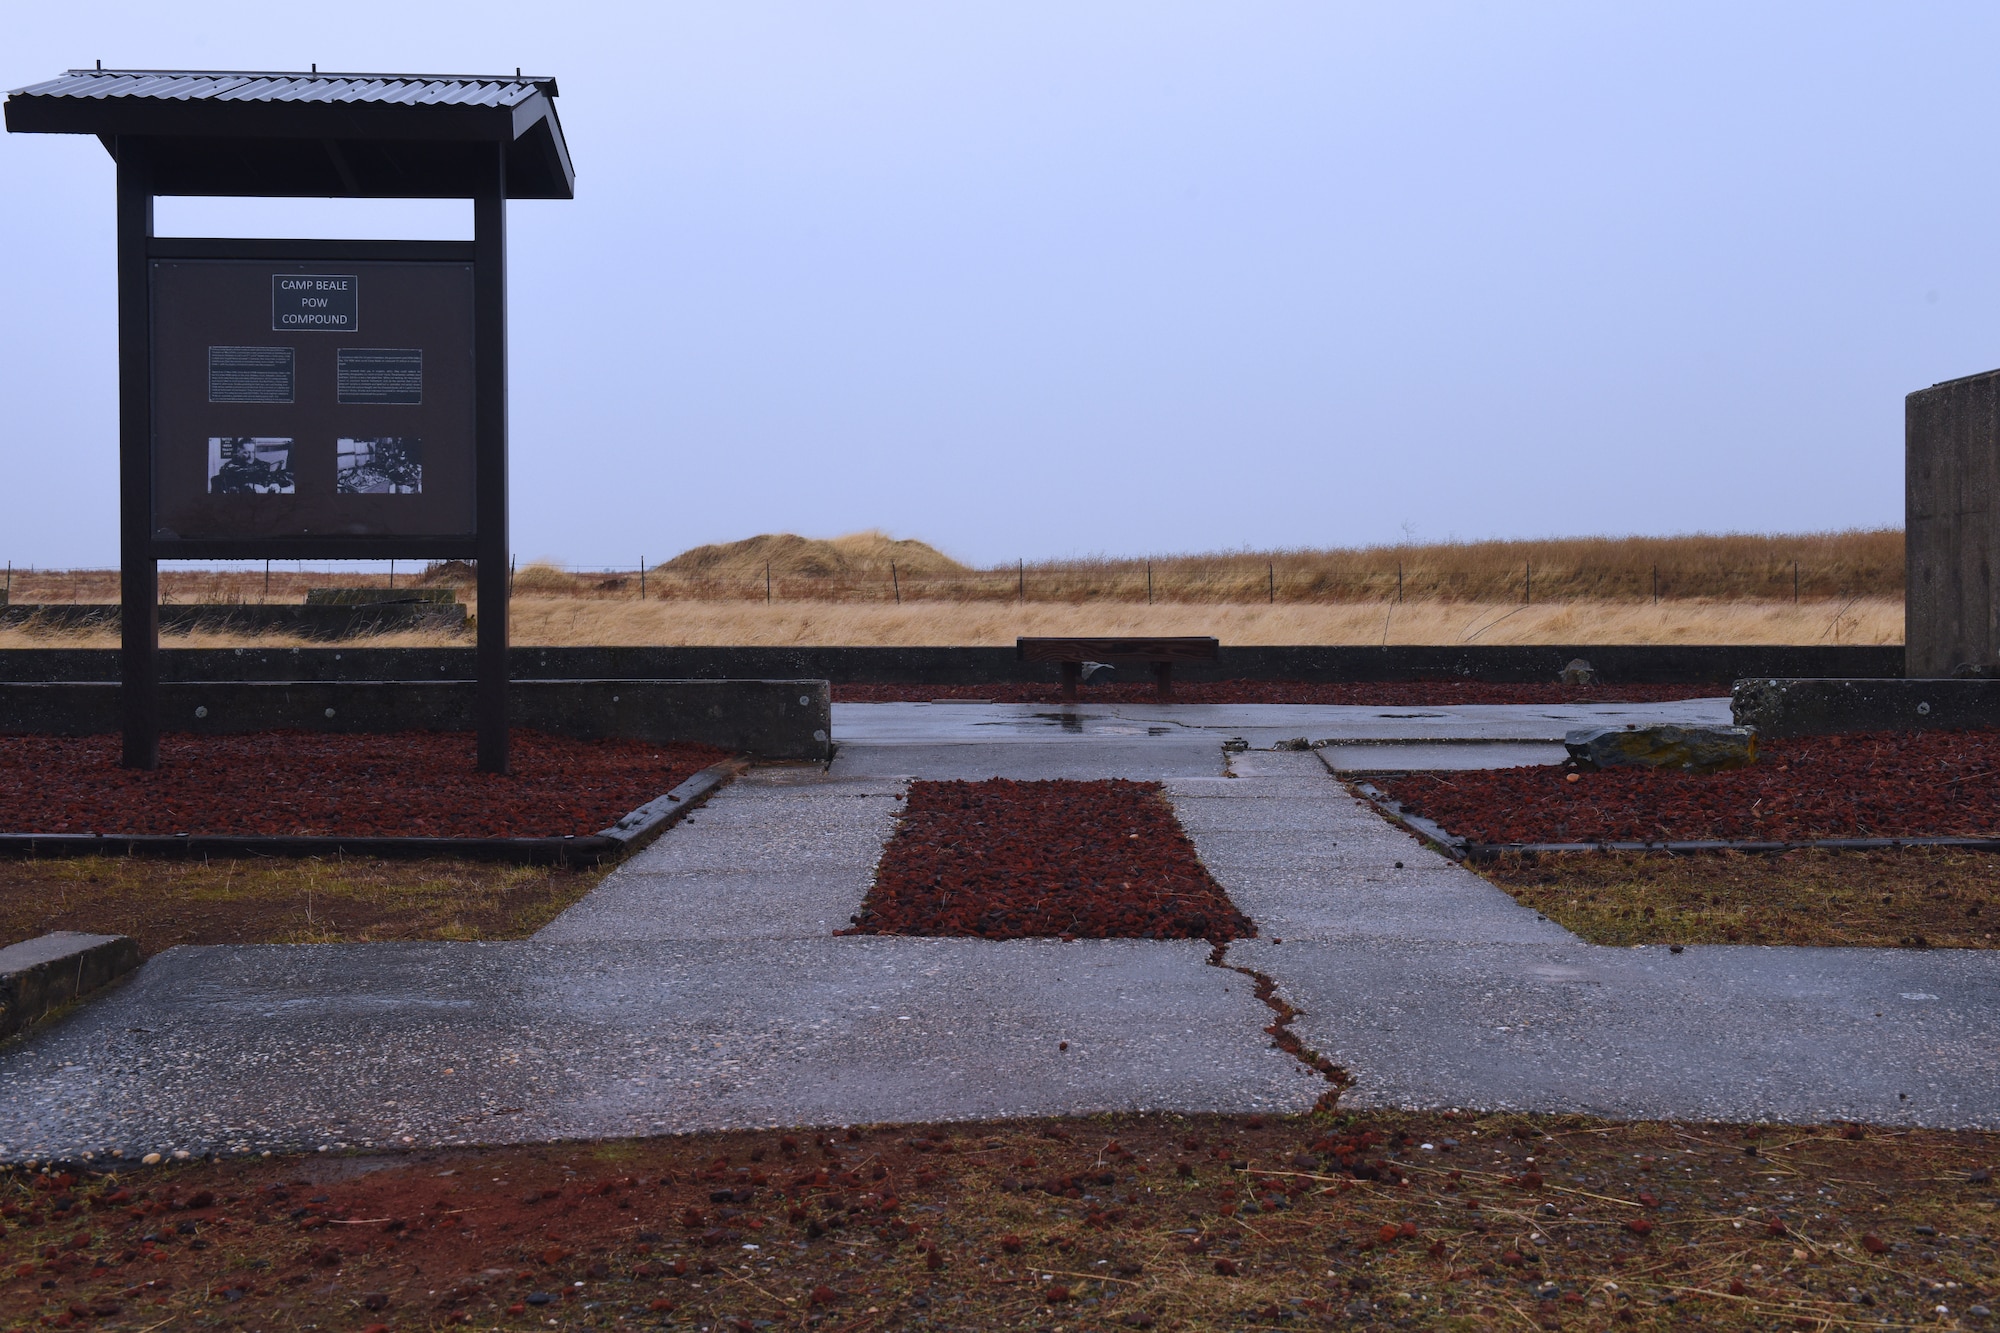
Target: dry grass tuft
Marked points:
1731	566
867	588
1912	897
1817	566
161	903
32	636
559	621
555	622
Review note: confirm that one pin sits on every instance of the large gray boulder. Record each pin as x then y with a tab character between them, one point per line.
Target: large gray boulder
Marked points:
1700	749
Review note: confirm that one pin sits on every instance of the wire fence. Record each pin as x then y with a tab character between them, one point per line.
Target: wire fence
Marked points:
1178	581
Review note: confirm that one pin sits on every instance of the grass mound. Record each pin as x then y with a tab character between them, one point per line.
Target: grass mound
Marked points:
857	555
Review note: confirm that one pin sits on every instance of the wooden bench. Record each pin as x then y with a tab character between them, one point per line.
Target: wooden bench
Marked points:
1072	653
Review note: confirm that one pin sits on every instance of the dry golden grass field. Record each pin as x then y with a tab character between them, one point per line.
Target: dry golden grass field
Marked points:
865	588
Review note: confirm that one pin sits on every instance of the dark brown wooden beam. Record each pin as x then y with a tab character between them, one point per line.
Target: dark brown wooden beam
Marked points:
489	343
138	579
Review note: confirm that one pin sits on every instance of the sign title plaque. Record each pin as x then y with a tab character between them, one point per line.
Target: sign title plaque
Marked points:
315	302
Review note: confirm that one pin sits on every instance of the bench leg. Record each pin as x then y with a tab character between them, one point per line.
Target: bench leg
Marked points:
1072	672
1163	678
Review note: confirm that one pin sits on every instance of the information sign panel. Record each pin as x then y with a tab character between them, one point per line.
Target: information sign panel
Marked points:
281	420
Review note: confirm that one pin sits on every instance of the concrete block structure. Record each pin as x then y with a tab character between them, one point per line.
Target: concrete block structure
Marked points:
1951	525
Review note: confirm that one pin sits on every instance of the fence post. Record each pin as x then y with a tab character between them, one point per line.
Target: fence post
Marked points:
1656	585
1795	583
895	584
1399	580
1149	583
1021	574
642	577
392	575
1528	587
767	583
1271	577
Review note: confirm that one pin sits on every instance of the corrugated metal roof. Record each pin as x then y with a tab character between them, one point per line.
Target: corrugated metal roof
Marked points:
371	135
252	86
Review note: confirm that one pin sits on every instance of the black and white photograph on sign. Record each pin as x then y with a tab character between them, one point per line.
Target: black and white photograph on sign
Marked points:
391	376
249	465
250	375
380	465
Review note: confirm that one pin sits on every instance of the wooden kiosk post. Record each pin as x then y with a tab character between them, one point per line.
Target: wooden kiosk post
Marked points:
310	400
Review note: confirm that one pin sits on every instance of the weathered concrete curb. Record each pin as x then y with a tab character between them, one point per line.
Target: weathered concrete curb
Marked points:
1615	664
1819	707
632	832
1488	851
1449	843
42	975
770	719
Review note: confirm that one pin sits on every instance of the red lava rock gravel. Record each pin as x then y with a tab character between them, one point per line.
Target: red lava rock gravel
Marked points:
412	784
1005	860
1875	785
1389	694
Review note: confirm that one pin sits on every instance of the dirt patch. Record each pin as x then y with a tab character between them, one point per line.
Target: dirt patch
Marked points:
1155	1221
420	784
1005	860
1388	694
1913	897
1873	785
161	903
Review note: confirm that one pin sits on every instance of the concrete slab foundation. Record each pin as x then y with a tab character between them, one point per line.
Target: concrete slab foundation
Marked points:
240	1049
1727	1033
700	987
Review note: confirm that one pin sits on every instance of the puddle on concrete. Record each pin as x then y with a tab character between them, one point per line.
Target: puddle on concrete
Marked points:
1074	724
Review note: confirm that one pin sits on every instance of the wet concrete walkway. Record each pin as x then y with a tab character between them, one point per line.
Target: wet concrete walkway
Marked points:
701	985
1433	988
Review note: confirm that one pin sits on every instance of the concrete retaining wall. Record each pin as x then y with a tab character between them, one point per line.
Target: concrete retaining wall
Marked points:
1829	707
1618	664
1951	524
772	719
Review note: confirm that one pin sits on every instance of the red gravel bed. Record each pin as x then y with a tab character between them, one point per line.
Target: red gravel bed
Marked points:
1392	694
1874	785
1005	860
280	783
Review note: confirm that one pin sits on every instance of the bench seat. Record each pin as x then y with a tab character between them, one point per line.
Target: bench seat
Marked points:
1071	652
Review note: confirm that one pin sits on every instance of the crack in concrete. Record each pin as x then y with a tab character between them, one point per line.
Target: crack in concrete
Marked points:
1281	1034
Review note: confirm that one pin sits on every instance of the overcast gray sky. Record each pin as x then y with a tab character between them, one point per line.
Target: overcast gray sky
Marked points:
1039	279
